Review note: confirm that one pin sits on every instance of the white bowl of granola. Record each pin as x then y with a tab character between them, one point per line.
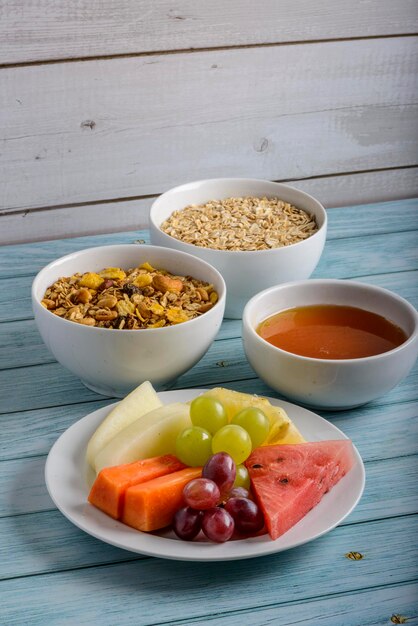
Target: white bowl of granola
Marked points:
257	233
115	327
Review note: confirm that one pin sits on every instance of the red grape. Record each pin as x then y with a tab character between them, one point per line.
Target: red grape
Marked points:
187	523
201	493
217	524
239	492
222	470
247	516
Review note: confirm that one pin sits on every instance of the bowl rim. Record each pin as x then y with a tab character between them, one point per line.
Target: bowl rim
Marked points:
248	327
155	206
36	303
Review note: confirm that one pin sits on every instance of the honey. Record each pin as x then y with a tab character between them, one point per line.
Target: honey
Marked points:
331	332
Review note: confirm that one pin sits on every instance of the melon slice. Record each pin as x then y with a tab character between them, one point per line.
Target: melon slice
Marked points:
289	480
139	402
153	434
109	488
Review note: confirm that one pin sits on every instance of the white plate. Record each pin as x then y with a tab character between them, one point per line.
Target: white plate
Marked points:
68	479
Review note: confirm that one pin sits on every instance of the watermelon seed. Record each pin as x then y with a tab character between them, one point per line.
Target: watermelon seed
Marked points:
256	466
284	480
279	459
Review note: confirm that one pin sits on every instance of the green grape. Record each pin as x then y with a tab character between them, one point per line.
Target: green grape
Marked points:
255	422
234	440
194	446
208	413
242	478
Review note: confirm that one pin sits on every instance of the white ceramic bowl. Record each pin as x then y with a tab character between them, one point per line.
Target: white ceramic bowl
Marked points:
330	384
245	273
113	362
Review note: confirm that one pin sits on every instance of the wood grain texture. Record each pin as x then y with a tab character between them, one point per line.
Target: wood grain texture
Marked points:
53	573
374	254
368	608
130	215
343	222
393	418
284	577
56	29
25	537
223	363
81	132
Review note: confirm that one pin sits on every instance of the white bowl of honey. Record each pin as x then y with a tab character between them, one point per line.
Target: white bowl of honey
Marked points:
330	344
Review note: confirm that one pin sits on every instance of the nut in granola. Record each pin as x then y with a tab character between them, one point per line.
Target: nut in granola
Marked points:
138	298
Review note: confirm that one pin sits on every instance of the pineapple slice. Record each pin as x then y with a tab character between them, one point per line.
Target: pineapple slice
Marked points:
282	430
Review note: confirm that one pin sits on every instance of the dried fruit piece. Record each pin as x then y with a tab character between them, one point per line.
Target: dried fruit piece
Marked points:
121	302
90	280
176	315
125	307
157	309
83	295
113	272
143	280
147	266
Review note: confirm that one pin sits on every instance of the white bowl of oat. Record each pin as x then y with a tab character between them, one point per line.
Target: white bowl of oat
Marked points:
256	233
118	315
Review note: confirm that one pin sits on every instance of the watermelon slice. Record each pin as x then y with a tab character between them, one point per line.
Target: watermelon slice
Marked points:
289	480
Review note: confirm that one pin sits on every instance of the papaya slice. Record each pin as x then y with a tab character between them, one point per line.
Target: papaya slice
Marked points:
109	488
152	505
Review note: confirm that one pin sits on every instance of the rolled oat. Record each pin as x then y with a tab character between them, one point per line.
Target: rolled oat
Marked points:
245	224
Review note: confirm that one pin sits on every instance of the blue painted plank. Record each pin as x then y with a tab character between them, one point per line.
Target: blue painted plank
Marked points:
28	258
390	492
22	488
32	433
373	219
353	221
374	254
368	608
43	400
51	384
152	591
343	258
394	427
22	345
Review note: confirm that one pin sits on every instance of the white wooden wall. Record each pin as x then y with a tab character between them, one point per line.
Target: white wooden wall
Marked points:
106	103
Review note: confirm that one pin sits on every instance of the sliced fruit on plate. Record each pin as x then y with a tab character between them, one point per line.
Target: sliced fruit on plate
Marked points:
153	434
152	505
139	402
289	480
109	488
235	401
292	435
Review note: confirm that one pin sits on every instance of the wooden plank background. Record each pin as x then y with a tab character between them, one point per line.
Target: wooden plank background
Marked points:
104	105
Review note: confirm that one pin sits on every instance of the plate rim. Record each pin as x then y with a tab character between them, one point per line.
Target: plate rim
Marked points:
189	551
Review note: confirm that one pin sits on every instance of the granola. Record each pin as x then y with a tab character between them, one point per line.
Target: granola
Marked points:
142	297
246	224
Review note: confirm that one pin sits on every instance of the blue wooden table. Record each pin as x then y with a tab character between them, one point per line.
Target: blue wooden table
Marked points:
52	573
